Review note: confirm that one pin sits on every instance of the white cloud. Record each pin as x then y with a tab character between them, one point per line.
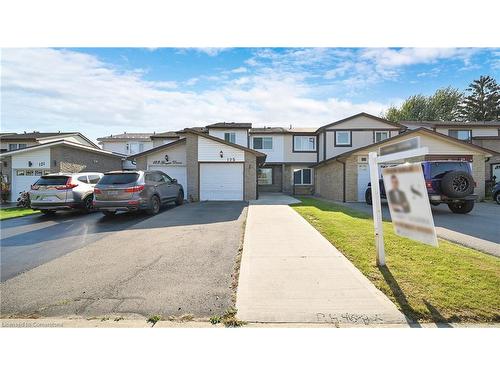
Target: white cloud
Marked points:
211	51
50	90
241	69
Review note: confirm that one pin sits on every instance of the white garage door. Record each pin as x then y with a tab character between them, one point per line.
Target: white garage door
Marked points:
221	181
22	179
179	173
363	180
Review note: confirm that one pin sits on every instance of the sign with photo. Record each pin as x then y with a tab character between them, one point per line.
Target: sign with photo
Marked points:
408	203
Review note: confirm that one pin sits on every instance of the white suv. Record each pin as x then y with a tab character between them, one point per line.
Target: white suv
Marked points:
64	191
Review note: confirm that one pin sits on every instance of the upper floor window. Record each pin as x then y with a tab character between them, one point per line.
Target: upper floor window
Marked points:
381	135
304	143
16	146
263	143
463	135
135	148
343	138
230	137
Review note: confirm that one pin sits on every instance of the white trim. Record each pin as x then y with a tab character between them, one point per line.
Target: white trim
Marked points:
349	142
62	142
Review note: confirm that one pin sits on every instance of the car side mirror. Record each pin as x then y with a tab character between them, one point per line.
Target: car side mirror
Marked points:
174	180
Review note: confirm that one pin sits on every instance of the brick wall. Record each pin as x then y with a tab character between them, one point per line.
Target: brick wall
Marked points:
192	170
478	173
71	160
6	169
351	170
250	176
330	181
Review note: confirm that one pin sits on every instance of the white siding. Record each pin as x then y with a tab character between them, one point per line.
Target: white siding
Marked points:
38	158
121	146
276	155
163	141
176	156
209	150
241	135
72	138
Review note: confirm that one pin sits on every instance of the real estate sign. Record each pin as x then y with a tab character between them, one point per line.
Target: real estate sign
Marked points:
408	203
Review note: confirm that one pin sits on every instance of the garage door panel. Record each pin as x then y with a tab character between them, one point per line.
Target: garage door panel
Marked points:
221	181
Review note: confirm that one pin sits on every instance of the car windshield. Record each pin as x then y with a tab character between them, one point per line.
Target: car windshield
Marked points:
438	169
118	178
52	180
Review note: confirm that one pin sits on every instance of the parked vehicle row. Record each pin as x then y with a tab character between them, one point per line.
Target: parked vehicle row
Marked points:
448	182
109	192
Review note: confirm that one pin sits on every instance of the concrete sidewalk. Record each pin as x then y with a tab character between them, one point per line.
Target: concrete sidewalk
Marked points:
291	273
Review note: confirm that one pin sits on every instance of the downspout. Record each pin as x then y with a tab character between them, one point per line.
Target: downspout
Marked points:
343	180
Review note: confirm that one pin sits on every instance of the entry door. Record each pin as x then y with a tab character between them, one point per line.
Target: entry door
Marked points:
221	181
363	180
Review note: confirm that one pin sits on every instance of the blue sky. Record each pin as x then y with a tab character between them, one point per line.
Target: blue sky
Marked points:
109	90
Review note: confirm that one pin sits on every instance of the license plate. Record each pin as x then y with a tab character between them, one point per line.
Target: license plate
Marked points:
113	192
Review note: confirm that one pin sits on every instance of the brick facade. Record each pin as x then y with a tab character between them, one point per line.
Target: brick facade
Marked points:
71	160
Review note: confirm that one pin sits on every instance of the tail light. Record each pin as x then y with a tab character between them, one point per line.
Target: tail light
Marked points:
134	189
97	191
69	185
428	184
35	187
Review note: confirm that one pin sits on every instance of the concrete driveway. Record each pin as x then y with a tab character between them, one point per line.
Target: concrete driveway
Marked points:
479	229
177	262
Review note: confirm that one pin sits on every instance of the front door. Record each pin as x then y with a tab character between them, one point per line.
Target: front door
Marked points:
363	180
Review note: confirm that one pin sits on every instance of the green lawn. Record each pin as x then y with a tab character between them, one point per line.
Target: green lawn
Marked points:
12	212
447	284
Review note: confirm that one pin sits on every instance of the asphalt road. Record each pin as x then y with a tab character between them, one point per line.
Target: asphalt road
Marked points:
30	241
177	262
479	229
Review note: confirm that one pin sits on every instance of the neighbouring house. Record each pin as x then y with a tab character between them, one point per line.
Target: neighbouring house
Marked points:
481	133
21	167
345	176
208	167
16	141
164	138
127	144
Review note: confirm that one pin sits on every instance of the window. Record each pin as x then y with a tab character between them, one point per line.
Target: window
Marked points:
94	179
381	135
118	178
230	137
343	138
302	176
83	179
263	143
20	172
135	148
16	146
304	143
463	135
265	176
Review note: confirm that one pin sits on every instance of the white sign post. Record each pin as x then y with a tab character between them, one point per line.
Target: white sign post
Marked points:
373	161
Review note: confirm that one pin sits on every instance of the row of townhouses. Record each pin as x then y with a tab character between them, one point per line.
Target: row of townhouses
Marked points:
236	161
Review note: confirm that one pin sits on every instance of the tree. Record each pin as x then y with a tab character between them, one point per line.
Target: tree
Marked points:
443	105
483	102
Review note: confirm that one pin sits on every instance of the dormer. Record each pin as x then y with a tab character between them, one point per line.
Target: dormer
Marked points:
232	132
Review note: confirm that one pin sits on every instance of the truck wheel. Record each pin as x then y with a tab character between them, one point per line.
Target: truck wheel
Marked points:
461	207
154	206
368	197
457	184
180	198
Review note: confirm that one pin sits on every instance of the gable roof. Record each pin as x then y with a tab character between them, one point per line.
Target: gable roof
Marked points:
116	137
64	143
362	114
158	148
406	133
168	134
235	125
205	135
281	130
432	124
34	135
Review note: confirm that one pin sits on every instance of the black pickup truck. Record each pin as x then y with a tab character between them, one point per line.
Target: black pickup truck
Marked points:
447	182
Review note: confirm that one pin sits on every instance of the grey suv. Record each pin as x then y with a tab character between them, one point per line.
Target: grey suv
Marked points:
136	190
54	192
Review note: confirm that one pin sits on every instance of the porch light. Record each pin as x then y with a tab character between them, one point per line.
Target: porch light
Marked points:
221	154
